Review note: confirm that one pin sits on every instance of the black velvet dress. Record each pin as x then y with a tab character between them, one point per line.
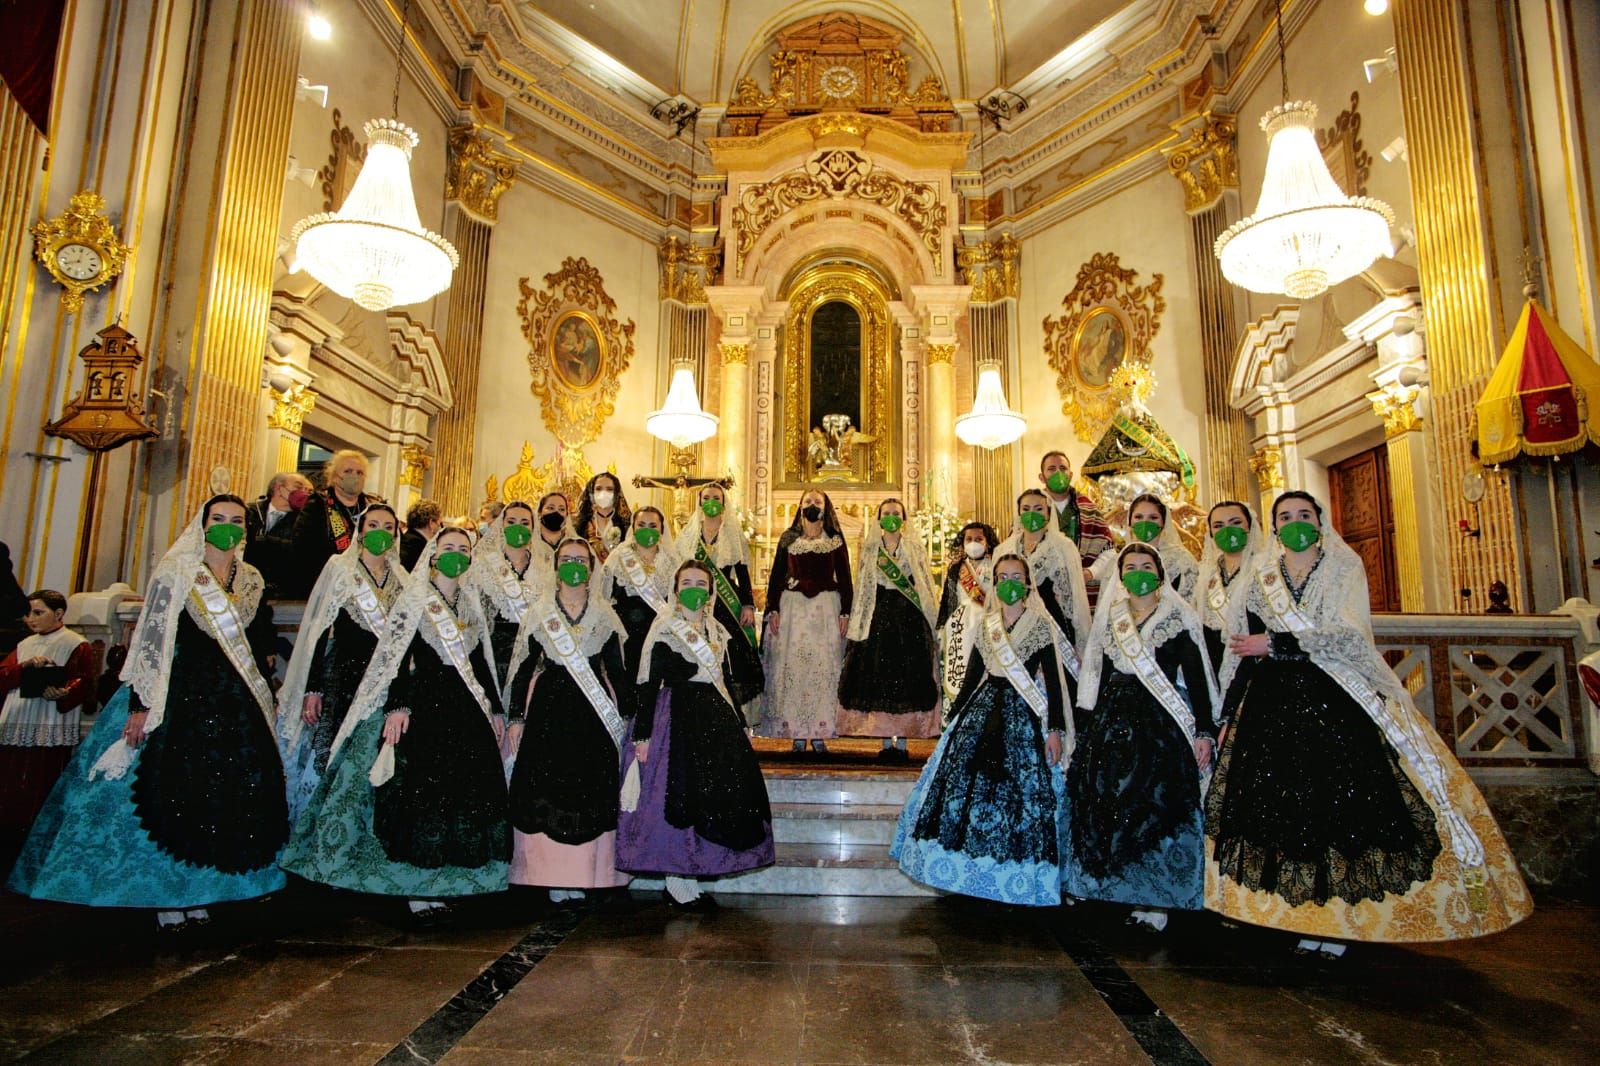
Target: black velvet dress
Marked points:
637	617
714	784
1309	801
1047	593
895	670
337	665
208	787
566	780
746	678
446	804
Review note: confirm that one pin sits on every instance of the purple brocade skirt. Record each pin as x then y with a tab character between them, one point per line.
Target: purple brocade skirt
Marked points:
649	844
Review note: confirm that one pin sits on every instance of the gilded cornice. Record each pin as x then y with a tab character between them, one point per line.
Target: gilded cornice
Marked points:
992	268
1206	162
475	174
884	138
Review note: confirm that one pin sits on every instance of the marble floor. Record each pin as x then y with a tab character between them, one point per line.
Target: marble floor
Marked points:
314	977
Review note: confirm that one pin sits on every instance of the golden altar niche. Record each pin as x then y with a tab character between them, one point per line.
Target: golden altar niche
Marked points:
840	418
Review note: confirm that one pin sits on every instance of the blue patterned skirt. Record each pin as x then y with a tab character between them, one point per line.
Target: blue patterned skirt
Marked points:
987	817
88	846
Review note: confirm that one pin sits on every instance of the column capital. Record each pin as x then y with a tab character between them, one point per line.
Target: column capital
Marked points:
476	175
1397	405
289	409
1267	465
941	352
734	353
1205	163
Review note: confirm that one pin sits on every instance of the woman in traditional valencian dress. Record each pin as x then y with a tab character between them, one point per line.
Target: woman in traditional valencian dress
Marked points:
809	596
569	694
175	799
554	527
506	577
987	817
1054	562
413	803
603	516
637	580
1148	524
710	537
343	621
889	685
1146	736
1236	544
968	584
694	803
1336	811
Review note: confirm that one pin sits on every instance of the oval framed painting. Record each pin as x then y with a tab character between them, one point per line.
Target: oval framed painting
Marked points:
1099	347
577	350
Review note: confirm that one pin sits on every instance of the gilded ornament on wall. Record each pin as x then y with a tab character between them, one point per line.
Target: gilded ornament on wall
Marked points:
566	472
475	174
345	157
686	269
838	173
1348	159
577	350
1099	346
992	268
1205	163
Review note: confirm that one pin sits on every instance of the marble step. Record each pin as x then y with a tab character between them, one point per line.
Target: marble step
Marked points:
834	823
827	870
889	787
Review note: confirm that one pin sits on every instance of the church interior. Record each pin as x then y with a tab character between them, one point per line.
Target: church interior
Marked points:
481	254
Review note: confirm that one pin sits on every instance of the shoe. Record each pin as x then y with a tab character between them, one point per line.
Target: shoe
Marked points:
702	904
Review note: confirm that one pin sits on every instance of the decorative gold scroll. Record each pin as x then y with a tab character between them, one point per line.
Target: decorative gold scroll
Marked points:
577	350
1348	160
992	268
475	174
345	156
1100	346
1205	163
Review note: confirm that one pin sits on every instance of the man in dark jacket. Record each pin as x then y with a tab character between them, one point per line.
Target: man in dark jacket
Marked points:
269	528
423	520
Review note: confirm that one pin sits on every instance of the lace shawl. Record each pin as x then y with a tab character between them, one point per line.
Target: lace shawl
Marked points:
334	591
1182	570
730	549
1055	559
913	563
612	573
1034	630
661	633
1209	586
1172	616
590	632
491	573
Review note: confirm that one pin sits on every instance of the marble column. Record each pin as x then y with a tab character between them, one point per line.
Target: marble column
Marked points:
284	425
941	370
476	177
731	432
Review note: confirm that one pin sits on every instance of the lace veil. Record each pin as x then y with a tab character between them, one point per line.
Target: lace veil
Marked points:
913	563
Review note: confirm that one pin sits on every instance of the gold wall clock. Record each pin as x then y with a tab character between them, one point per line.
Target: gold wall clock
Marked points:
79	248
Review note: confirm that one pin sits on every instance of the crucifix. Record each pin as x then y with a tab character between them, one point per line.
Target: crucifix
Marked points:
680	483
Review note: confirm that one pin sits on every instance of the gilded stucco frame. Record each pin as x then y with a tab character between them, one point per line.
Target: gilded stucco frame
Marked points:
575	415
1103	286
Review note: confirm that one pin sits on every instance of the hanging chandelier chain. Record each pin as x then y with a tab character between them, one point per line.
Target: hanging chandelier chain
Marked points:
400	56
1283	57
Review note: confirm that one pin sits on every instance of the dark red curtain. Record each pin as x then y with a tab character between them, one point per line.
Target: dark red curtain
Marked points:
30	30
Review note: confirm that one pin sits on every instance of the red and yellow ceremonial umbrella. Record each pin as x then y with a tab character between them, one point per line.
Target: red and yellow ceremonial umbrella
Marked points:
1544	396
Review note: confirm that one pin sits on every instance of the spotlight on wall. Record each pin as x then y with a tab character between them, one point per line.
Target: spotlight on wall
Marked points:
1376	7
316	94
320	29
1001	106
1384	64
293	171
675	112
1395	149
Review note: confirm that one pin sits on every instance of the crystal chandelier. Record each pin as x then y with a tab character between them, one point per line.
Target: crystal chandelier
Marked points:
1305	234
680	421
374	250
991	423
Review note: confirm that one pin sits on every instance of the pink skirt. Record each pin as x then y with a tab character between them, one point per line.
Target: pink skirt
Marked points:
538	860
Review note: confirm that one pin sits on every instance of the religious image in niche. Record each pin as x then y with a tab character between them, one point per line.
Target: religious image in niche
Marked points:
575	350
1098	349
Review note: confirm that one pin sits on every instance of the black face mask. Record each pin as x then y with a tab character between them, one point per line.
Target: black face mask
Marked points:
553	521
812	513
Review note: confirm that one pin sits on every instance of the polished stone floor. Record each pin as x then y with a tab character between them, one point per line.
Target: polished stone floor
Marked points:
317	977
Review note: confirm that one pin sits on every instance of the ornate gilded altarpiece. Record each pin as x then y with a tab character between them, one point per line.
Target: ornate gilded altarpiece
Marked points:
577	350
1099	346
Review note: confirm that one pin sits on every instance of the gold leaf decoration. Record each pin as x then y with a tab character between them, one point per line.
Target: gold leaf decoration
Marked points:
1106	326
577	350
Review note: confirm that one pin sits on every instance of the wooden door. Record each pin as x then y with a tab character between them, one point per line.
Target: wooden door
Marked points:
1363	513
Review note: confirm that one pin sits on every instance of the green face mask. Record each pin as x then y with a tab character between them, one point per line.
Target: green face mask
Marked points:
891	523
1032	521
452	564
224	536
1011	591
1058	482
1296	536
712	508
1146	531
1231	539
377	541
572	573
647	537
1141	582
694	598
518	536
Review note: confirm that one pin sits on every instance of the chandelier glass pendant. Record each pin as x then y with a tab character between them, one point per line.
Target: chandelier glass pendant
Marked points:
1305	234
681	422
374	249
991	423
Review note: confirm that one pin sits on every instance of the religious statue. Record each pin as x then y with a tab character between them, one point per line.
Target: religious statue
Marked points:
831	448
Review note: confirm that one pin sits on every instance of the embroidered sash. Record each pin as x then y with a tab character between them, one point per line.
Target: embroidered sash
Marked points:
577	665
455	649
514	591
1217	594
891	570
1125	631
968	576
372	612
222	623
1397	726
725	593
640	583
1064	648
700	646
338	528
994	630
